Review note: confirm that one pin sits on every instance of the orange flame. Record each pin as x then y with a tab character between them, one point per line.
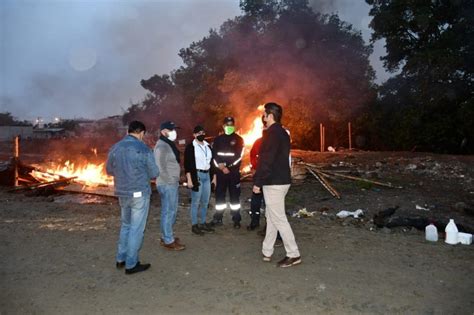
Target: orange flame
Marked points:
256	129
89	175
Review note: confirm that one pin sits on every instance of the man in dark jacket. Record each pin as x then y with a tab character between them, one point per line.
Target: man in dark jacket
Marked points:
273	177
199	176
228	152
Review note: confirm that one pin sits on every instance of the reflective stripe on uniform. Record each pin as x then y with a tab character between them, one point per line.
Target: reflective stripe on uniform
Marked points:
234	207
221	207
240	158
225	154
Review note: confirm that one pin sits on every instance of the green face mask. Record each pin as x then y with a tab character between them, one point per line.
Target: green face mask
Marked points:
229	130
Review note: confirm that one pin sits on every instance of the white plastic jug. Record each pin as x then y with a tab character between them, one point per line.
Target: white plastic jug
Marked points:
431	233
451	233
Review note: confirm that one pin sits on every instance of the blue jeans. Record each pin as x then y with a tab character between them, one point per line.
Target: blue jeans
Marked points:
169	209
200	198
133	222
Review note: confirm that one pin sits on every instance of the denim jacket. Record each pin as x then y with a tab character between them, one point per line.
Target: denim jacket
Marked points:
132	164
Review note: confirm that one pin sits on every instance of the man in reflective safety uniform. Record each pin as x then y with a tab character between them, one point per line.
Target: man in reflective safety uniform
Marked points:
228	151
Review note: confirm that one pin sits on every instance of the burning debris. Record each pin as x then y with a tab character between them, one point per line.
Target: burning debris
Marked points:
86	178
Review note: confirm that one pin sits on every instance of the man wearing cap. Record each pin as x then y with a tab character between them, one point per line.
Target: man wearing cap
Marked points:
228	152
167	158
199	175
131	163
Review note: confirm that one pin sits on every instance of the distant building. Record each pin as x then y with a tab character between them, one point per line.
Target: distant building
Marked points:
9	132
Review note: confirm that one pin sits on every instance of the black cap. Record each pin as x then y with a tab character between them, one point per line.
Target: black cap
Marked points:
198	128
229	119
168	125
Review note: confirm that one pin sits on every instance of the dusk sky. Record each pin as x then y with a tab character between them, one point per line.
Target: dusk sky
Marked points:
85	58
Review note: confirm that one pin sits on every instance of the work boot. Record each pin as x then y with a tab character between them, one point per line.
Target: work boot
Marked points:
217	220
236	225
206	228
253	224
196	230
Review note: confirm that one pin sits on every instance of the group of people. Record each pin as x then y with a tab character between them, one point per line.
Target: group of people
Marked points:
133	164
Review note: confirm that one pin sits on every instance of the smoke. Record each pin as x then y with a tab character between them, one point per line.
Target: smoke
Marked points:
86	59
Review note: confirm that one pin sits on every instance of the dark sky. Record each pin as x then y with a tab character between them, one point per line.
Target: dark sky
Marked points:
85	58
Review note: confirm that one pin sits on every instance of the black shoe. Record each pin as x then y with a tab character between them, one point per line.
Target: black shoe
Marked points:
252	226
138	268
236	225
120	265
206	228
196	230
216	222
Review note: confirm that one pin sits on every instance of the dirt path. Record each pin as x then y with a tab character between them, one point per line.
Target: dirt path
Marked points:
58	258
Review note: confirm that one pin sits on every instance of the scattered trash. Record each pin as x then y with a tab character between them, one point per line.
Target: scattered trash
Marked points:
345	213
331	149
451	233
431	233
465	238
421	208
303	213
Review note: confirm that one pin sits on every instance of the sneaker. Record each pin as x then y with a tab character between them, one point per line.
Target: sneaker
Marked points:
237	225
206	228
175	246
162	242
267	258
196	230
288	262
138	268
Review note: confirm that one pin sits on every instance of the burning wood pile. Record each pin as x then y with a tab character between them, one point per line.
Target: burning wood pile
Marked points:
42	179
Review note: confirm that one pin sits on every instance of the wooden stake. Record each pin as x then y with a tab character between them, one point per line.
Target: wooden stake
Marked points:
16	155
350	135
321	137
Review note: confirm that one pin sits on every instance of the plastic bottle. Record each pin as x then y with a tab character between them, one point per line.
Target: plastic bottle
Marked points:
451	233
431	233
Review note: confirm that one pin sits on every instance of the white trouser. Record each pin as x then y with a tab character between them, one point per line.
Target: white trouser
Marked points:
277	221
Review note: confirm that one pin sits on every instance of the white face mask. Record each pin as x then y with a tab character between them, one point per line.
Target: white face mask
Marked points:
172	135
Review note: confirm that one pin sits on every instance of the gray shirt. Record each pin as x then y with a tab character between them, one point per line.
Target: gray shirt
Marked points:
167	164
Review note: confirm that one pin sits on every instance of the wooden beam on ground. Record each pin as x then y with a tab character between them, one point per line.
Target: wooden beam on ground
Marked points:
325	184
59	182
360	179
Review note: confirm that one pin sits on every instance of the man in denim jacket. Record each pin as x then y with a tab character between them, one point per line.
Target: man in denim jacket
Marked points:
132	164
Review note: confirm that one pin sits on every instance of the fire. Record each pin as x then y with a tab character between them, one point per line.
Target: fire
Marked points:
89	174
256	129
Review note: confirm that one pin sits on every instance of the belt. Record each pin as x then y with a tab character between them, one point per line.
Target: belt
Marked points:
203	171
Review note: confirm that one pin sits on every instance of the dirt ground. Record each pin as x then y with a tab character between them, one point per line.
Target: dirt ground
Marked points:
58	251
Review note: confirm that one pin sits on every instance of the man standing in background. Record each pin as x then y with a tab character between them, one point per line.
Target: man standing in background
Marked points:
167	158
228	152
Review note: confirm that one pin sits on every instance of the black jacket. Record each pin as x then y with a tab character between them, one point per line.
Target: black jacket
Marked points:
274	158
190	165
228	149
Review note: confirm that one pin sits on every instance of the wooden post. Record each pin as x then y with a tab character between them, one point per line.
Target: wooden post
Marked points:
321	137
16	155
324	139
350	135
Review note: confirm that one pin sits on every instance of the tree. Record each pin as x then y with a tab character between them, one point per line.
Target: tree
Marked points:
316	66
6	119
432	44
